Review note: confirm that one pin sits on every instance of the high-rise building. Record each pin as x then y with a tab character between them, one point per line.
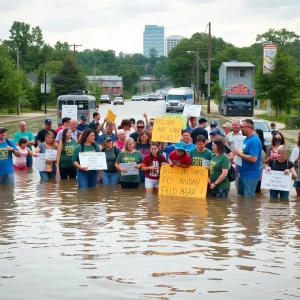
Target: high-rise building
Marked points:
154	37
171	42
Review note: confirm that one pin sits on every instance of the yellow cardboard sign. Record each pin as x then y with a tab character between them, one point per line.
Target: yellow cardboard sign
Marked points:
181	117
183	182
111	117
166	130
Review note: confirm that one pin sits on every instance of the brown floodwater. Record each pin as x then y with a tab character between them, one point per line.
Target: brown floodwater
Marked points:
57	242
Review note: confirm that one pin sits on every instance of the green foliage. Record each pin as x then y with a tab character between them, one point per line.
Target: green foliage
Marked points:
69	77
95	90
130	76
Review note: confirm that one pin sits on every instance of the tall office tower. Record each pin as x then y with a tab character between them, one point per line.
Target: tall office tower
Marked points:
154	37
171	42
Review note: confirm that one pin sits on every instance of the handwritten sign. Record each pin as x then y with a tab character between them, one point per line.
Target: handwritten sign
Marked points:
238	145
181	117
93	160
183	182
51	154
111	117
276	180
40	162
130	168
166	130
192	110
69	111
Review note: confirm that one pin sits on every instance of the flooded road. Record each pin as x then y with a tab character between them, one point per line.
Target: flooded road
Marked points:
106	243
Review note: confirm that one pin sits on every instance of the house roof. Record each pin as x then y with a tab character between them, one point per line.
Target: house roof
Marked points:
237	64
104	78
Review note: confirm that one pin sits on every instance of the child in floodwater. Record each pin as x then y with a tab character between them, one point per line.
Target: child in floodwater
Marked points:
179	157
19	163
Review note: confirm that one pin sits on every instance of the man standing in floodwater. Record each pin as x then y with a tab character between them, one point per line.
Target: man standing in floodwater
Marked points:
249	172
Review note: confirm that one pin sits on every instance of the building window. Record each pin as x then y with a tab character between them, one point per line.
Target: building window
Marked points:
242	73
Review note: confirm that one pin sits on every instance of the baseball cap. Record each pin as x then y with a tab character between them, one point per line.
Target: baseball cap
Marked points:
180	146
132	120
2	129
107	139
215	132
227	125
214	124
83	118
202	120
48	121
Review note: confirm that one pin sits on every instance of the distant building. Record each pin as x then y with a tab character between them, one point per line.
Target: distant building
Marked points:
111	84
154	37
171	42
146	83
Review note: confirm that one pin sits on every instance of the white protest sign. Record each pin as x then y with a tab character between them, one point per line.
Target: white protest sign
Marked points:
238	145
276	180
130	168
40	162
69	111
192	110
93	160
51	154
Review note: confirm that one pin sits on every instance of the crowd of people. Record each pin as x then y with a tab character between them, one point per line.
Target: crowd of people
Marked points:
236	144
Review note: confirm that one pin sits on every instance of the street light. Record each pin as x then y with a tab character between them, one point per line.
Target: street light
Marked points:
195	53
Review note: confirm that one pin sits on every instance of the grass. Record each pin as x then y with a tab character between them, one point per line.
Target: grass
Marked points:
282	118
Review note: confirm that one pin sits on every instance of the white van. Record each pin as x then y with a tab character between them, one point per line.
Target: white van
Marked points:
178	97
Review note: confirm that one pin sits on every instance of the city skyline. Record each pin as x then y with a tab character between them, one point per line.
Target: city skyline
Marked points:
154	38
119	24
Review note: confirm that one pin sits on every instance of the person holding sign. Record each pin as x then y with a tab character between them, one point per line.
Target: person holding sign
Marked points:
295	158
151	166
218	181
65	149
179	157
200	156
50	144
284	165
86	178
129	155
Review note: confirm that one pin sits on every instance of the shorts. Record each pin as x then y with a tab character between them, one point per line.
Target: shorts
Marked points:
151	183
16	168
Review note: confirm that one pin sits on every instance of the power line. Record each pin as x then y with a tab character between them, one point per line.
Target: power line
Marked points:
74	47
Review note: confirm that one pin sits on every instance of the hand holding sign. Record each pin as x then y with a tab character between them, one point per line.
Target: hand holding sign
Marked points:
192	110
93	160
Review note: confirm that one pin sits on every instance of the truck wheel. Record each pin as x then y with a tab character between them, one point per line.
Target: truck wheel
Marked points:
167	110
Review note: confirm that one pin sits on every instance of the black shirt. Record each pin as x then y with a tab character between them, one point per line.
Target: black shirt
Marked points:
94	125
209	147
135	136
42	134
199	131
280	166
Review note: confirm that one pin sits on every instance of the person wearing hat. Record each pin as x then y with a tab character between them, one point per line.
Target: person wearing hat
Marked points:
83	124
42	133
200	130
111	175
216	134
212	126
7	148
179	157
227	128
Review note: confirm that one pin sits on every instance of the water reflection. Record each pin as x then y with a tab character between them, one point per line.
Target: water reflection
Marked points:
110	243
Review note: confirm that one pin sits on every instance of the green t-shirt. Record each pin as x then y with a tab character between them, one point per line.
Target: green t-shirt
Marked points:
67	154
218	163
111	157
77	150
127	158
197	157
28	135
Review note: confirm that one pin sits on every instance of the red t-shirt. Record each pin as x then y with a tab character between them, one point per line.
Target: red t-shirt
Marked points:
152	174
184	159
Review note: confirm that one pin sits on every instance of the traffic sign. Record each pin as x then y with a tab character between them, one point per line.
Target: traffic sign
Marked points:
48	88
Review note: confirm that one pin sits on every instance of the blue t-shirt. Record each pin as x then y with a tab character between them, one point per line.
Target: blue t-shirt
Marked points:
251	146
6	162
82	127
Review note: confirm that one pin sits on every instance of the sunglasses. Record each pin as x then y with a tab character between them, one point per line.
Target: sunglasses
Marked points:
141	127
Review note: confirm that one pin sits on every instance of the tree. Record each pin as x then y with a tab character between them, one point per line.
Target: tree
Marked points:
130	76
280	37
69	77
281	85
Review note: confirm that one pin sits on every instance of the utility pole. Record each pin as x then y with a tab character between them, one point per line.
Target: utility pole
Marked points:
198	75
18	68
209	68
74	52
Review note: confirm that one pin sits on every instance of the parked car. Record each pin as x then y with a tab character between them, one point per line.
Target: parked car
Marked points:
119	100
264	126
134	98
151	97
105	99
160	97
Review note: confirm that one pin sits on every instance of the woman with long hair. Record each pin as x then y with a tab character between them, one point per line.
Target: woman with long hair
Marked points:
111	175
218	181
65	149
129	155
295	159
86	143
151	166
49	143
281	163
277	140
143	145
